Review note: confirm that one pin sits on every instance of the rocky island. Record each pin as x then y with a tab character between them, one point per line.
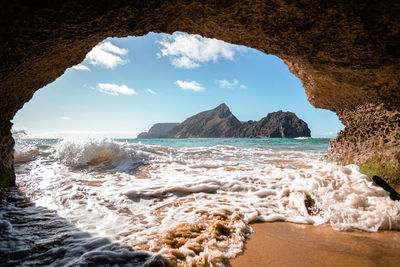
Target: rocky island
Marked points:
221	123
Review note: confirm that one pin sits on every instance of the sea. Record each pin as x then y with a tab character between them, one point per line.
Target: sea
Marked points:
174	202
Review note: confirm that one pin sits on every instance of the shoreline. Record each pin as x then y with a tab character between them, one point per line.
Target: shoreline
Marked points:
288	244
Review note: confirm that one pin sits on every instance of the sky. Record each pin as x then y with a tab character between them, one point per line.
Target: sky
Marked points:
125	85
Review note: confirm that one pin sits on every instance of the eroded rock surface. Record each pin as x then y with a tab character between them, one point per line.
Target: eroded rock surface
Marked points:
275	125
371	139
215	123
7	176
346	53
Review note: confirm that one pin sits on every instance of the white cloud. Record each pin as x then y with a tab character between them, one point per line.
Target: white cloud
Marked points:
81	67
184	62
115	89
107	55
193	85
190	51
227	84
151	91
109	47
66	118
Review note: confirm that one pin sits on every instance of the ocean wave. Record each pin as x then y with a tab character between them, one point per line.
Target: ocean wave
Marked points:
169	200
26	151
23	157
98	154
210	189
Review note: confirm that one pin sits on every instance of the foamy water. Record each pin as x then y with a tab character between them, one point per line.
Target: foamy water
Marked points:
189	201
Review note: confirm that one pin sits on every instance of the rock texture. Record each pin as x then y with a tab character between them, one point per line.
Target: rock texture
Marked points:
7	176
214	123
275	125
221	123
346	53
371	140
158	130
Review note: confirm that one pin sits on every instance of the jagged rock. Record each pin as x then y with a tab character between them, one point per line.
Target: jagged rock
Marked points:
346	53
275	125
214	123
158	130
392	193
220	122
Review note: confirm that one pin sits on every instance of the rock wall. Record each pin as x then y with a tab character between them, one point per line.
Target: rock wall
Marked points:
371	139
346	53
7	176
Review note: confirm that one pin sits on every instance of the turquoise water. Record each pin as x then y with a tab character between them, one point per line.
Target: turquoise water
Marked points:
277	144
320	144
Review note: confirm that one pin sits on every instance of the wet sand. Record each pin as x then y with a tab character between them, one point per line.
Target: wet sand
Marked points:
286	244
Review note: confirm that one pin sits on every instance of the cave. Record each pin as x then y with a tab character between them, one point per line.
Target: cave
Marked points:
345	53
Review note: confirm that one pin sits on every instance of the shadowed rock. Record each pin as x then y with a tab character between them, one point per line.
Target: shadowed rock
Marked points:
379	181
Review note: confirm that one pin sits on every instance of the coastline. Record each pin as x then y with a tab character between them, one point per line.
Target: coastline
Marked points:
288	244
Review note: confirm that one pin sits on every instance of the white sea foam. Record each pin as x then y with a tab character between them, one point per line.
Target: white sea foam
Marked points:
96	154
25	152
135	194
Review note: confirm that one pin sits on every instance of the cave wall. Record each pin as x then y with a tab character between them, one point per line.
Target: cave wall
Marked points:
371	139
346	54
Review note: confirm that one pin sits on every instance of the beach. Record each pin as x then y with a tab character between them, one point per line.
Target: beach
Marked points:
287	244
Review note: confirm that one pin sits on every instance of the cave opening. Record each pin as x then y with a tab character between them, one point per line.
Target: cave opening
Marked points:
347	66
125	85
344	54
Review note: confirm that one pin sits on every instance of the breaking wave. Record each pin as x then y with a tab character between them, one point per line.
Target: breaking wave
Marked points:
98	154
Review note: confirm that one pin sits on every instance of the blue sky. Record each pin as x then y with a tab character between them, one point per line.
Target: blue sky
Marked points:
125	85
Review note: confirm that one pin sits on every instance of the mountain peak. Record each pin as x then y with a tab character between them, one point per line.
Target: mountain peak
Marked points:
223	110
223	105
213	123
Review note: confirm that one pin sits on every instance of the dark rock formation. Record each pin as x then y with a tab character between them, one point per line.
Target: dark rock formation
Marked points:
275	125
392	193
7	176
221	123
214	123
346	53
158	130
